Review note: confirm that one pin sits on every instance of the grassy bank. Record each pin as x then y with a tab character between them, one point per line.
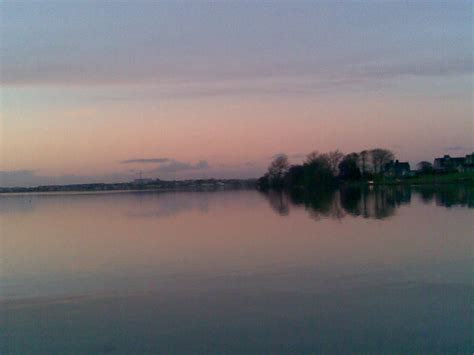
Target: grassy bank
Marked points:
451	178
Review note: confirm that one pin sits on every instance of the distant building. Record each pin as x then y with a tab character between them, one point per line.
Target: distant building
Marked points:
142	181
448	163
397	169
469	163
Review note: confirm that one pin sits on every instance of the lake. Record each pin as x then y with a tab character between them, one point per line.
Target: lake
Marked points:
382	270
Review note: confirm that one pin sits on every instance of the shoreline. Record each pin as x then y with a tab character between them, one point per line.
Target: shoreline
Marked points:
121	191
221	185
157	185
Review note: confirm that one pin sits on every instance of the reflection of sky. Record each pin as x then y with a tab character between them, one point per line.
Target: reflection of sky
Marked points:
16	204
85	86
204	266
168	204
140	204
99	243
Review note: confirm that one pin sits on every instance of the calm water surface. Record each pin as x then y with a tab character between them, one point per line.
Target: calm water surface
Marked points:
379	271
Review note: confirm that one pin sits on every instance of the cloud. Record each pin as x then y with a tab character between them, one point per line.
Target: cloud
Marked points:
167	165
455	148
202	164
150	160
174	166
447	67
28	178
171	170
44	52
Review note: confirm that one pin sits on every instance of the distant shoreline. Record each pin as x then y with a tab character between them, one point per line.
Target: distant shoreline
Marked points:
157	186
223	184
104	192
34	191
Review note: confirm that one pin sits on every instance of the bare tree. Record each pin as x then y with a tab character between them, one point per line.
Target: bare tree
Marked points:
278	168
331	159
334	158
364	157
312	157
320	160
317	170
380	157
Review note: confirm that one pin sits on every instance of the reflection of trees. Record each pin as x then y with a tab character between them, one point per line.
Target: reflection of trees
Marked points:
375	203
320	203
357	201
378	202
426	193
447	195
351	200
455	197
279	202
387	199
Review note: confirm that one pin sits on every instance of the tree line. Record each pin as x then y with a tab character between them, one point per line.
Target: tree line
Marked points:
325	169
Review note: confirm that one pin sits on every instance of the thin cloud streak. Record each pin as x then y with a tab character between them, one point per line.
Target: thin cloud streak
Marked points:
28	178
219	82
146	160
455	148
175	166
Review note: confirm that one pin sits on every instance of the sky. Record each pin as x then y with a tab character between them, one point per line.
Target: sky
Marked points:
101	91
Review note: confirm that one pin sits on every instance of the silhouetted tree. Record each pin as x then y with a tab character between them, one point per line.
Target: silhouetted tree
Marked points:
318	171
348	167
314	155
264	182
333	159
277	170
295	177
425	167
364	158
380	157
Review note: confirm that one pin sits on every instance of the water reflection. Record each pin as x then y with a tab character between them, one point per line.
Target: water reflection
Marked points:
142	204
221	272
11	204
369	202
448	196
156	205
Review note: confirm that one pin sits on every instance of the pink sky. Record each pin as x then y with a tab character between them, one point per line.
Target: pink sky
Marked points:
219	91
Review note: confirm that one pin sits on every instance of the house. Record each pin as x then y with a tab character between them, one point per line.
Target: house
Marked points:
397	169
469	163
447	163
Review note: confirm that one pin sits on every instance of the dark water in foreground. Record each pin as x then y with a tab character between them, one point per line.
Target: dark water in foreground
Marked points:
381	271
